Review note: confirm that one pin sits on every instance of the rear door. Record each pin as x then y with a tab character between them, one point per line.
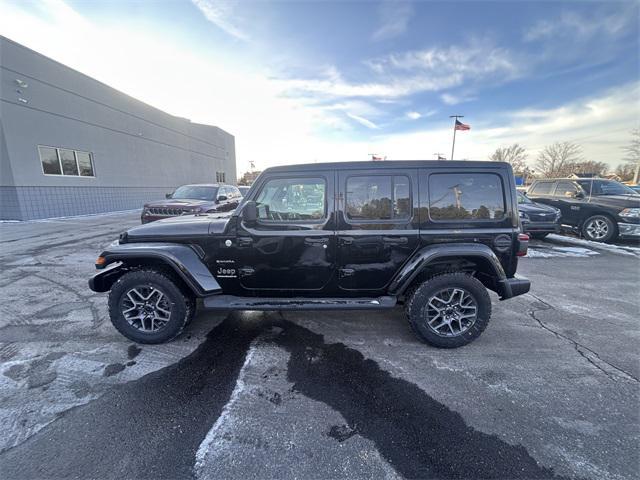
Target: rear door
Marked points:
542	192
377	228
565	199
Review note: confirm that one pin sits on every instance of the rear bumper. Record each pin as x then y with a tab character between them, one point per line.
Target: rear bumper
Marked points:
512	287
629	230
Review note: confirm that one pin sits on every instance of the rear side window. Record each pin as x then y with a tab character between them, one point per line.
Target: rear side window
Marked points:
542	188
565	189
465	196
378	197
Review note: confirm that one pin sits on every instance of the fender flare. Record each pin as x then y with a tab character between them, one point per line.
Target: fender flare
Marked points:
182	259
427	255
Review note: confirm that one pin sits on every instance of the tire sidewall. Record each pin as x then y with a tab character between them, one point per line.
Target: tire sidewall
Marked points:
610	223
418	309
180	308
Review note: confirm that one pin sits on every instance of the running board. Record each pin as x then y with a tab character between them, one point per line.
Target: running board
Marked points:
230	302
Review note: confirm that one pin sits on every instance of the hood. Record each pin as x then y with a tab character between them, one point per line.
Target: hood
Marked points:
621	201
180	227
536	208
179	203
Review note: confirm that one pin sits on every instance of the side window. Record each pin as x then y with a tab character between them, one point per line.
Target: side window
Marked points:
379	197
542	188
465	196
291	199
223	191
565	189
236	192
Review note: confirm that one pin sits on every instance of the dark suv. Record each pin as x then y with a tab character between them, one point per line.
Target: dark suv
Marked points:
190	199
433	236
602	210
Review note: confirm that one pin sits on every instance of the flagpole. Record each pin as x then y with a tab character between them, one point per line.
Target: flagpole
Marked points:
455	119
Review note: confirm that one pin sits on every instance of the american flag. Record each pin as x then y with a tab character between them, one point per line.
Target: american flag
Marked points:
462	126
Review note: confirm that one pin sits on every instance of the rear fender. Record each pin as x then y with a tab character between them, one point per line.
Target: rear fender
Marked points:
181	259
495	278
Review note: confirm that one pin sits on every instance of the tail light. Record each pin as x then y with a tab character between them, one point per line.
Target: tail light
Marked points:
523	244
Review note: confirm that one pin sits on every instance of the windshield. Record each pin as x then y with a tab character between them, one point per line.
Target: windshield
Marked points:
522	198
605	187
195	192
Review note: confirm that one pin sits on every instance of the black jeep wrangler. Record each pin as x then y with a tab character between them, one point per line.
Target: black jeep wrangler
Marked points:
433	236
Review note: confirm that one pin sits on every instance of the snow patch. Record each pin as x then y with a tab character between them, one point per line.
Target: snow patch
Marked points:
620	249
554	251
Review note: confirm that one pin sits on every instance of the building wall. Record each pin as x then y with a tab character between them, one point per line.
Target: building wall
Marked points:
139	152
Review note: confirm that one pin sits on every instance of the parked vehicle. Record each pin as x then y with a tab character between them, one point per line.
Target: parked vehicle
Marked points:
601	210
538	220
433	236
191	199
244	189
635	188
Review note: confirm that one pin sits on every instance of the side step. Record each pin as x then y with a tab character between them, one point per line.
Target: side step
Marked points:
231	302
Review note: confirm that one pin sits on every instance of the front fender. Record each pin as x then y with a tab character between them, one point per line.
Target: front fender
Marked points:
182	259
427	255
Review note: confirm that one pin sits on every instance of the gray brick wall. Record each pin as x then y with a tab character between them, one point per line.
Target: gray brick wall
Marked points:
29	203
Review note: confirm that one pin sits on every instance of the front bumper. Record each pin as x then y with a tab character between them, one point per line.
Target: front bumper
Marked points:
546	227
629	230
512	287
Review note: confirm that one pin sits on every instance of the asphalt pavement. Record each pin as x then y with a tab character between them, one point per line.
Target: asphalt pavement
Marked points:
549	390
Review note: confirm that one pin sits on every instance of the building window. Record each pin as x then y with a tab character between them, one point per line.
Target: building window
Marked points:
63	161
220	177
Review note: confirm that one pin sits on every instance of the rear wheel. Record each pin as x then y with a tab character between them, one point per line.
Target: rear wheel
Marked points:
149	306
449	310
599	228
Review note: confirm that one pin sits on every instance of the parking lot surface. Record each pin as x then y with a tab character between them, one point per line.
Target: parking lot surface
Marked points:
551	389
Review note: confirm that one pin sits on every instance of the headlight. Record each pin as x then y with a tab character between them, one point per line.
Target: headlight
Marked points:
630	213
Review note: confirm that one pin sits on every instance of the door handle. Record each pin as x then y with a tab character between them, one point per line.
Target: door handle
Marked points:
315	242
346	240
395	240
245	241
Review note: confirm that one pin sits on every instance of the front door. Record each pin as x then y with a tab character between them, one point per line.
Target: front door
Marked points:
291	248
377	231
565	199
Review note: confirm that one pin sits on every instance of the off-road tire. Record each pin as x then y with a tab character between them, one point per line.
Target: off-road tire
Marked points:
612	232
183	304
417	300
538	235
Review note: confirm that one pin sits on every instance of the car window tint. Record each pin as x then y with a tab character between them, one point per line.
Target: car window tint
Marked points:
465	196
195	192
379	197
542	188
291	199
565	189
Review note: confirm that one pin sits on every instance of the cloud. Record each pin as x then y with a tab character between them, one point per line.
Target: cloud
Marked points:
579	27
363	121
222	13
403	74
450	99
394	16
414	115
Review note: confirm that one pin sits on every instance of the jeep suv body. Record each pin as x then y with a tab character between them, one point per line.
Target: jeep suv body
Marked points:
602	210
433	236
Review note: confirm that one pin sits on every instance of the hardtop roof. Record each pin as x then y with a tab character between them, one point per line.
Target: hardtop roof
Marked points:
388	164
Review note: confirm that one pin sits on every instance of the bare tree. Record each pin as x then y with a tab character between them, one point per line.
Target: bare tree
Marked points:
558	159
589	166
632	151
625	171
514	154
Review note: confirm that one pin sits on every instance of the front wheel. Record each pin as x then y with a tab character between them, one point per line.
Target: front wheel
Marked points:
149	306
449	310
599	229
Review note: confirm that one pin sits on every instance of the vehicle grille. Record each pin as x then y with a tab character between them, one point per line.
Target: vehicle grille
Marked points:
168	212
542	217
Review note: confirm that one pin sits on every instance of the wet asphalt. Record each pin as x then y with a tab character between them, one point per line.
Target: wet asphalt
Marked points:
550	390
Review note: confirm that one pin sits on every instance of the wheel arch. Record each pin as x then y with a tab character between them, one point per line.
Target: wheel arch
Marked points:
181	260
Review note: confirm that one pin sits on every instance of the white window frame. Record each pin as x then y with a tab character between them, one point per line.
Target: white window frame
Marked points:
75	156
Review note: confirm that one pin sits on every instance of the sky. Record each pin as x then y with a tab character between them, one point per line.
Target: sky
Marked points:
302	82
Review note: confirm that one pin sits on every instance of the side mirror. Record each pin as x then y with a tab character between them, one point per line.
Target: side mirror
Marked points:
221	198
250	213
168	195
